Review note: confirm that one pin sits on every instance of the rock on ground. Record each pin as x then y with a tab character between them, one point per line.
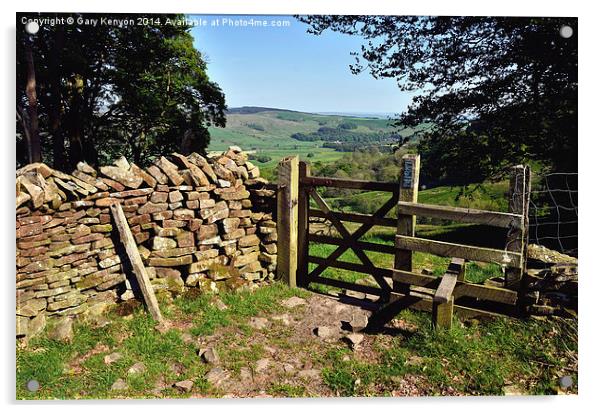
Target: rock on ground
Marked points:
112	358
137	368
312	374
262	364
119	385
354	340
216	375
325	331
184	385
209	355
293	302
258	323
63	330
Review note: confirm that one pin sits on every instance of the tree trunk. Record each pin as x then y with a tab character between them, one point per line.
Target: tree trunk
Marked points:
34	147
74	122
54	111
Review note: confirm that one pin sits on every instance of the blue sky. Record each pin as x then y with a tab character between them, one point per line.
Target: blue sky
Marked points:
285	67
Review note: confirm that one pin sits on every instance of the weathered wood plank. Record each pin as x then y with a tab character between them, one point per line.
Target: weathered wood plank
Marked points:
356	217
368	246
131	249
288	199
443	313
448	249
303	230
462	289
445	290
406	223
469	215
457	266
349	184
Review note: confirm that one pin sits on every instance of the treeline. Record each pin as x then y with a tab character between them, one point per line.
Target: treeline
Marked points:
344	139
354	146
343	134
98	92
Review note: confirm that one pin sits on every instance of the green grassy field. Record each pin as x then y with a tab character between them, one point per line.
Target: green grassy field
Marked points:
269	133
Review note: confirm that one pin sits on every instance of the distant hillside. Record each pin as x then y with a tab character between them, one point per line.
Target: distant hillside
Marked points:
247	110
268	131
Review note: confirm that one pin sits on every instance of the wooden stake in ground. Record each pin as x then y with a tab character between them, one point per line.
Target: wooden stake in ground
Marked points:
127	239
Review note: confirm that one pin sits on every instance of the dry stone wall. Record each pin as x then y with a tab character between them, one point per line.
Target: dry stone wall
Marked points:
199	223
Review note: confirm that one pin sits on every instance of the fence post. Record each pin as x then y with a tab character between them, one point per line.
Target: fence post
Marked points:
303	216
288	193
518	235
408	192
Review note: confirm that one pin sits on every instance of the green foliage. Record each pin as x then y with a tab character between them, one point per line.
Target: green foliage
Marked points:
488	87
105	92
256	126
260	158
287	390
346	140
347	125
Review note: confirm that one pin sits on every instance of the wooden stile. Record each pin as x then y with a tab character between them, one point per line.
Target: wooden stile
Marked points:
442	313
138	268
462	289
367	246
446	287
288	198
421	291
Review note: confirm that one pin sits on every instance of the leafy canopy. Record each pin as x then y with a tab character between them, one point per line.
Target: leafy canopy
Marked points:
106	91
494	91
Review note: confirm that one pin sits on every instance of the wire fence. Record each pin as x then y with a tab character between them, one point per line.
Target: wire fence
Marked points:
553	211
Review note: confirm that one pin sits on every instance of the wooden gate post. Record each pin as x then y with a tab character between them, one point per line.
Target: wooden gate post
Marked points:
303	216
288	198
518	235
408	191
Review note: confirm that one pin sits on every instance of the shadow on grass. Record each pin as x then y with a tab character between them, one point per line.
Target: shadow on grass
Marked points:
475	235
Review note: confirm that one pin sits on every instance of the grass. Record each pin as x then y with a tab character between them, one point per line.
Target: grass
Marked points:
240	306
471	358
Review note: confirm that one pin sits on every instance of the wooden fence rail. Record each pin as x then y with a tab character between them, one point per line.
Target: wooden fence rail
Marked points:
400	285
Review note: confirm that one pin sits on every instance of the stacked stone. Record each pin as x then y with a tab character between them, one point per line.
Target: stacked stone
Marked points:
551	283
192	218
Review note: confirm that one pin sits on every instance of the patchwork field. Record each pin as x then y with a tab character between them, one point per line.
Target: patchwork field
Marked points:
268	132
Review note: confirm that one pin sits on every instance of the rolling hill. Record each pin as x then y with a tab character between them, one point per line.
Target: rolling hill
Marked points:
267	132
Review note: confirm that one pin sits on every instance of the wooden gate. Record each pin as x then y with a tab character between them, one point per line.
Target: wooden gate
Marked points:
400	286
